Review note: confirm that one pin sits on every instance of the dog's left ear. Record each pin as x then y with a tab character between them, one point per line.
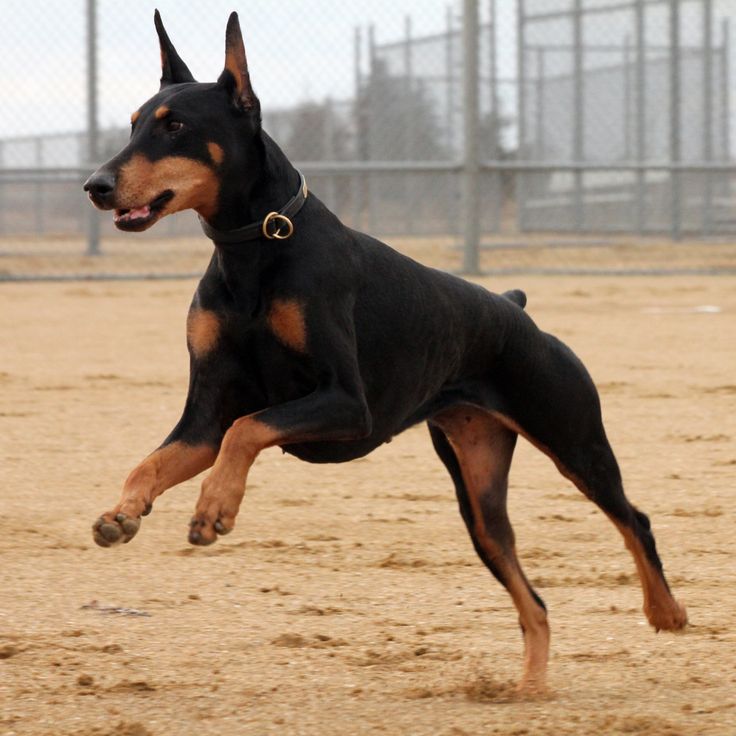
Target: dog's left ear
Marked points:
235	77
173	69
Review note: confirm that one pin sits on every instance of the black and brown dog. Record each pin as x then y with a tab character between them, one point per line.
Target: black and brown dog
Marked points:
308	335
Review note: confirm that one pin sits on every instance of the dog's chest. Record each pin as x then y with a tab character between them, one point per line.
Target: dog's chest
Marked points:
266	354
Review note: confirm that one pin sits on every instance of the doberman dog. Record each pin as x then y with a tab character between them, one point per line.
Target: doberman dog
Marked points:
310	336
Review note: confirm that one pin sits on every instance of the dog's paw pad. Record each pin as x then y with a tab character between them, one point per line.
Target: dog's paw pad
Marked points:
108	532
129	525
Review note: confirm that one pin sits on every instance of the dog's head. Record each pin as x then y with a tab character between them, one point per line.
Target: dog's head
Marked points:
183	141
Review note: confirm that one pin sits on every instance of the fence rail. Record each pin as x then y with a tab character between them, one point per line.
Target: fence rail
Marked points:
505	119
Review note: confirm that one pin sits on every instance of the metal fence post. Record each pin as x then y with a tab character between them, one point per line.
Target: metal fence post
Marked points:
370	117
449	182
640	105
627	97
329	152
449	98
359	113
726	103
93	220
675	122
708	113
38	187
471	164
497	181
578	124
410	153
520	112
726	86
539	142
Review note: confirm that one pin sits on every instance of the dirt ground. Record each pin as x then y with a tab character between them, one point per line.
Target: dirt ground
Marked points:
349	600
501	253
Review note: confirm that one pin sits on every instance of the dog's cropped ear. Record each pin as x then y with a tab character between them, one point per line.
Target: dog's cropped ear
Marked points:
173	69
235	77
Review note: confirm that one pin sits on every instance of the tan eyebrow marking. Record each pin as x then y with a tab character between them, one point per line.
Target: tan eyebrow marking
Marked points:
134	116
216	152
161	112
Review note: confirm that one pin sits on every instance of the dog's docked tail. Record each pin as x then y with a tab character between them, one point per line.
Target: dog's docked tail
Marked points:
517	296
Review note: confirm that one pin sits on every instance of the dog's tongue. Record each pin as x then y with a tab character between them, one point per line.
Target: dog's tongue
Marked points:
138	213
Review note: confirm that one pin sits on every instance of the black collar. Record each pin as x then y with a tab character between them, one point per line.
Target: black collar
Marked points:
274	226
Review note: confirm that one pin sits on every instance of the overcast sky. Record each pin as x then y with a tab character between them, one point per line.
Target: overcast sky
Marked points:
297	49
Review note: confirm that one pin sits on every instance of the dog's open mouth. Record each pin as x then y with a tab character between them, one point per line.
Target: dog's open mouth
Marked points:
139	218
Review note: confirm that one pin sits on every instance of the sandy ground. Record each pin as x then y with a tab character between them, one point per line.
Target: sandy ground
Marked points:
349	600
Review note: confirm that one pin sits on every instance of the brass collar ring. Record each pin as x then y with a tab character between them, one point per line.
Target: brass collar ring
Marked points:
282	228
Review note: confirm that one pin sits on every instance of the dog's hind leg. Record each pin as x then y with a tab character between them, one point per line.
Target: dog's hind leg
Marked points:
556	407
477	449
595	472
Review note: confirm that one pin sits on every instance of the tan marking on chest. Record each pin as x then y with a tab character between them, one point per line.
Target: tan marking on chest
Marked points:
216	152
203	331
286	321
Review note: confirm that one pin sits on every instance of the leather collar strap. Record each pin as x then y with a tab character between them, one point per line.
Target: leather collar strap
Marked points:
274	226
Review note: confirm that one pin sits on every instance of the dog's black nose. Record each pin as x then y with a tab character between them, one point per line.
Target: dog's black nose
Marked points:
100	187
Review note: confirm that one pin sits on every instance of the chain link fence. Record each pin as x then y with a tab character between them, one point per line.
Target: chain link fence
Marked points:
519	135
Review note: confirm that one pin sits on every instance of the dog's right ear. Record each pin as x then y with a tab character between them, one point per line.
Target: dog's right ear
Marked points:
173	69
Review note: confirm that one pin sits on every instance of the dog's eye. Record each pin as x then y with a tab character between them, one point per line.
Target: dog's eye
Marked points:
173	126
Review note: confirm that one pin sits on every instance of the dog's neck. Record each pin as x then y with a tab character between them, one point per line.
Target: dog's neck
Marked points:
245	199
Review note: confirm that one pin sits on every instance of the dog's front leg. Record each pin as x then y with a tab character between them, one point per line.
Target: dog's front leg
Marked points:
304	420
190	448
167	466
336	410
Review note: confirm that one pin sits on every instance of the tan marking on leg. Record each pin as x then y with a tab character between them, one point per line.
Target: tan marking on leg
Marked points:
203	331
162	469
194	183
216	152
483	454
660	607
286	320
134	116
224	488
161	112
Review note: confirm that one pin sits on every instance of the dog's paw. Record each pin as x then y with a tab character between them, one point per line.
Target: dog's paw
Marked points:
204	531
215	512
670	617
115	528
